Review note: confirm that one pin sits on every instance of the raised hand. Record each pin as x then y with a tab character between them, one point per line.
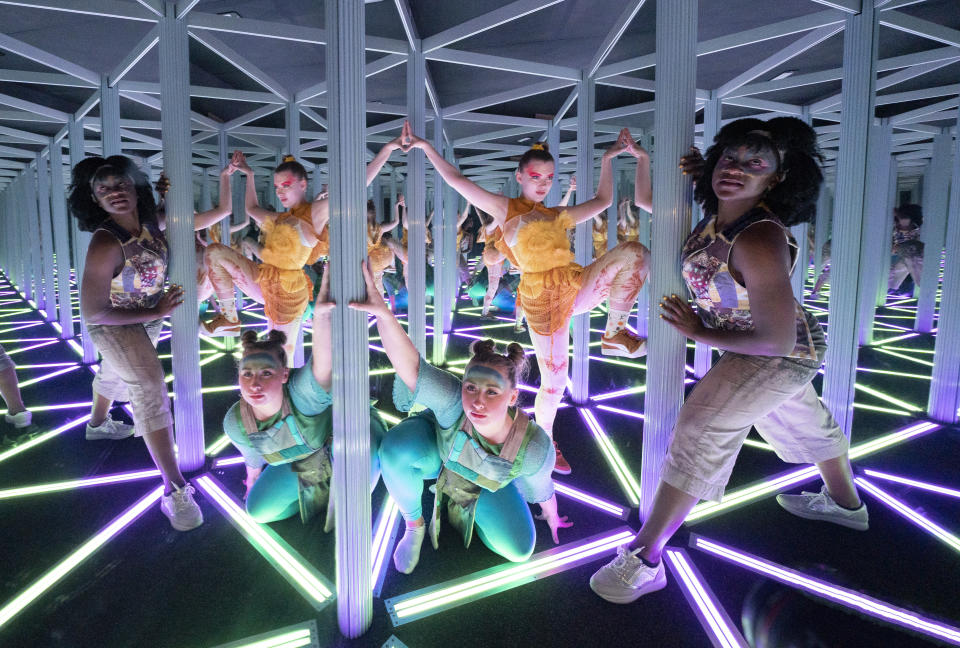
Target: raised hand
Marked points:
401	201
692	163
573	183
162	185
408	140
322	306
239	163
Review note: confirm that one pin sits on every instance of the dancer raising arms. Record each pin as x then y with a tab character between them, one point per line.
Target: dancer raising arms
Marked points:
759	178
291	240
488	458
552	287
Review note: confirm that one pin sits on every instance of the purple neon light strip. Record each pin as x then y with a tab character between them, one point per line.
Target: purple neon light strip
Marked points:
622	412
721	630
591	500
43	437
933	488
900	507
383	539
841	595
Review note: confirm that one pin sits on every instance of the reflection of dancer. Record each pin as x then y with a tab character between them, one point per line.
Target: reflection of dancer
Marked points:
489	459
907	246
552	287
17	414
759	178
291	240
283	419
123	303
379	251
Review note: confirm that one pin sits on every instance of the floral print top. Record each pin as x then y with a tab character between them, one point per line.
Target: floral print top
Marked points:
140	282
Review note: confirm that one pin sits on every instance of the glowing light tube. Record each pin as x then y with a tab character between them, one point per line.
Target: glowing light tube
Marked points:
627	481
721	630
294	636
217	446
840	595
298	572
900	507
228	461
383	537
933	488
755	491
56	487
591	500
446	596
84	551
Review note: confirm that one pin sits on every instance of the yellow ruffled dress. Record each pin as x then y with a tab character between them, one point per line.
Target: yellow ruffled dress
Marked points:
549	279
381	256
285	286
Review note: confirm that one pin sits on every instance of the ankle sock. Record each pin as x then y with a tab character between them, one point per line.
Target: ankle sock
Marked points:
407	554
228	308
616	321
647	562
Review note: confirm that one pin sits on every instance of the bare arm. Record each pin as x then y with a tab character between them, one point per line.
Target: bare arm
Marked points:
239	226
642	184
104	261
464	214
322	340
224	207
566	197
762	258
493	204
604	196
400	350
389	225
373	168
250	203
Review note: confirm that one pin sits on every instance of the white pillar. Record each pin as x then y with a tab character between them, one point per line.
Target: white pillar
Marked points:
440	277
583	235
821	228
293	148
351	423
177	161
46	237
712	115
945	384
109	118
935	190
676	59
859	72
61	239
81	240
553	144
874	244
883	278
416	201
35	269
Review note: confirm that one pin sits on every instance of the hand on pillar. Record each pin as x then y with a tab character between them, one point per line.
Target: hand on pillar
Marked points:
162	186
692	163
171	298
681	316
374	303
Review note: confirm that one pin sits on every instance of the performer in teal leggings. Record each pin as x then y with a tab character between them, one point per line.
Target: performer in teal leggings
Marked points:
488	458
284	419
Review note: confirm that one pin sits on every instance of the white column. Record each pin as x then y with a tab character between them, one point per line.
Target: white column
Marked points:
46	237
109	118
61	239
351	424
553	144
874	244
440	277
883	279
676	60
712	115
31	243
935	190
416	201
821	230
643	230
81	240
293	148
945	385
177	161
859	72
583	237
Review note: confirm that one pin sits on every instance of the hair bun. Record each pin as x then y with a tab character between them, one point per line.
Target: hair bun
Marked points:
483	347
538	146
289	158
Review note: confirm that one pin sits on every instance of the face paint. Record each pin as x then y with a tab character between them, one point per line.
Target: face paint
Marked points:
535	180
259	359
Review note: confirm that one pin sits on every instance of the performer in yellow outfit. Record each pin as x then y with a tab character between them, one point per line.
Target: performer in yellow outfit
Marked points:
291	240
553	287
599	236
381	254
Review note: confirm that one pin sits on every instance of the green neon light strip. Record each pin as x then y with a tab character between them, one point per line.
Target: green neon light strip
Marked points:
883	410
34	381
753	443
56	487
298	572
890	399
83	552
903	357
627	481
636	364
763	488
446	596
23	447
60	406
216	356
898	338
303	634
389	418
894	373
217	446
908	350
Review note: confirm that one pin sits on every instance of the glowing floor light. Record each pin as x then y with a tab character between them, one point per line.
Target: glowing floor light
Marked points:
622	412
55	487
80	554
620	392
46	436
900	507
446	596
591	500
841	595
721	630
217	446
383	537
278	553
757	490
627	481
52	374
294	636
228	461
933	488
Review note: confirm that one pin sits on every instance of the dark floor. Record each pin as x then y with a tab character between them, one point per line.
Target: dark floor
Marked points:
153	586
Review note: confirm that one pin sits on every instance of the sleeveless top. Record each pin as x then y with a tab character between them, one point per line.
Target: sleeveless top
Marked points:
283	247
140	282
722	302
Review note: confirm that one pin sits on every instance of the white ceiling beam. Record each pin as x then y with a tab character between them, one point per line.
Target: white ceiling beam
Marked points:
140	137
800	80
153	6
87	105
505	120
386	126
104	8
241	62
613	36
38	55
632	83
141	49
793	50
915	95
918	58
10	151
566	105
382	64
206	92
739	39
10	164
200	121
764	104
24	135
849	6
886	5
184	7
45	78
476	141
489	20
251	116
476	59
21	104
23	115
887	81
262	28
919	27
924	112
508	95
314	116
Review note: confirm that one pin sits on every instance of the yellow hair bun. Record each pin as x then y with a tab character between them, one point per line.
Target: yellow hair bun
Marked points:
538	147
289	158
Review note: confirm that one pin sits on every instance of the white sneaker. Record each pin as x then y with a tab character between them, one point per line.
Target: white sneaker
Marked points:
109	429
184	513
626	578
820	506
20	419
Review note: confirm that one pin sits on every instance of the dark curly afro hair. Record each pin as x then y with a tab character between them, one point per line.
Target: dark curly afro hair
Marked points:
84	207
794	198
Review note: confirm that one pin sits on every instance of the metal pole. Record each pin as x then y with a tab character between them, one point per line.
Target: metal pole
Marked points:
583	235
875	216
46	237
712	118
416	203
676	59
440	278
81	240
883	279
934	228
61	239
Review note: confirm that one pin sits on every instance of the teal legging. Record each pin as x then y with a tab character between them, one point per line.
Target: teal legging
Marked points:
275	494
409	455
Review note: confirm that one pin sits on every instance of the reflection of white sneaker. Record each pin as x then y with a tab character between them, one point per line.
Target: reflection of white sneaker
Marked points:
820	506
109	429
626	578
20	419
184	513
624	344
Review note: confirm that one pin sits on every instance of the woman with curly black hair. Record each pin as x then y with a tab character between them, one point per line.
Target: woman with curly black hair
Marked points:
758	179
123	303
907	246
